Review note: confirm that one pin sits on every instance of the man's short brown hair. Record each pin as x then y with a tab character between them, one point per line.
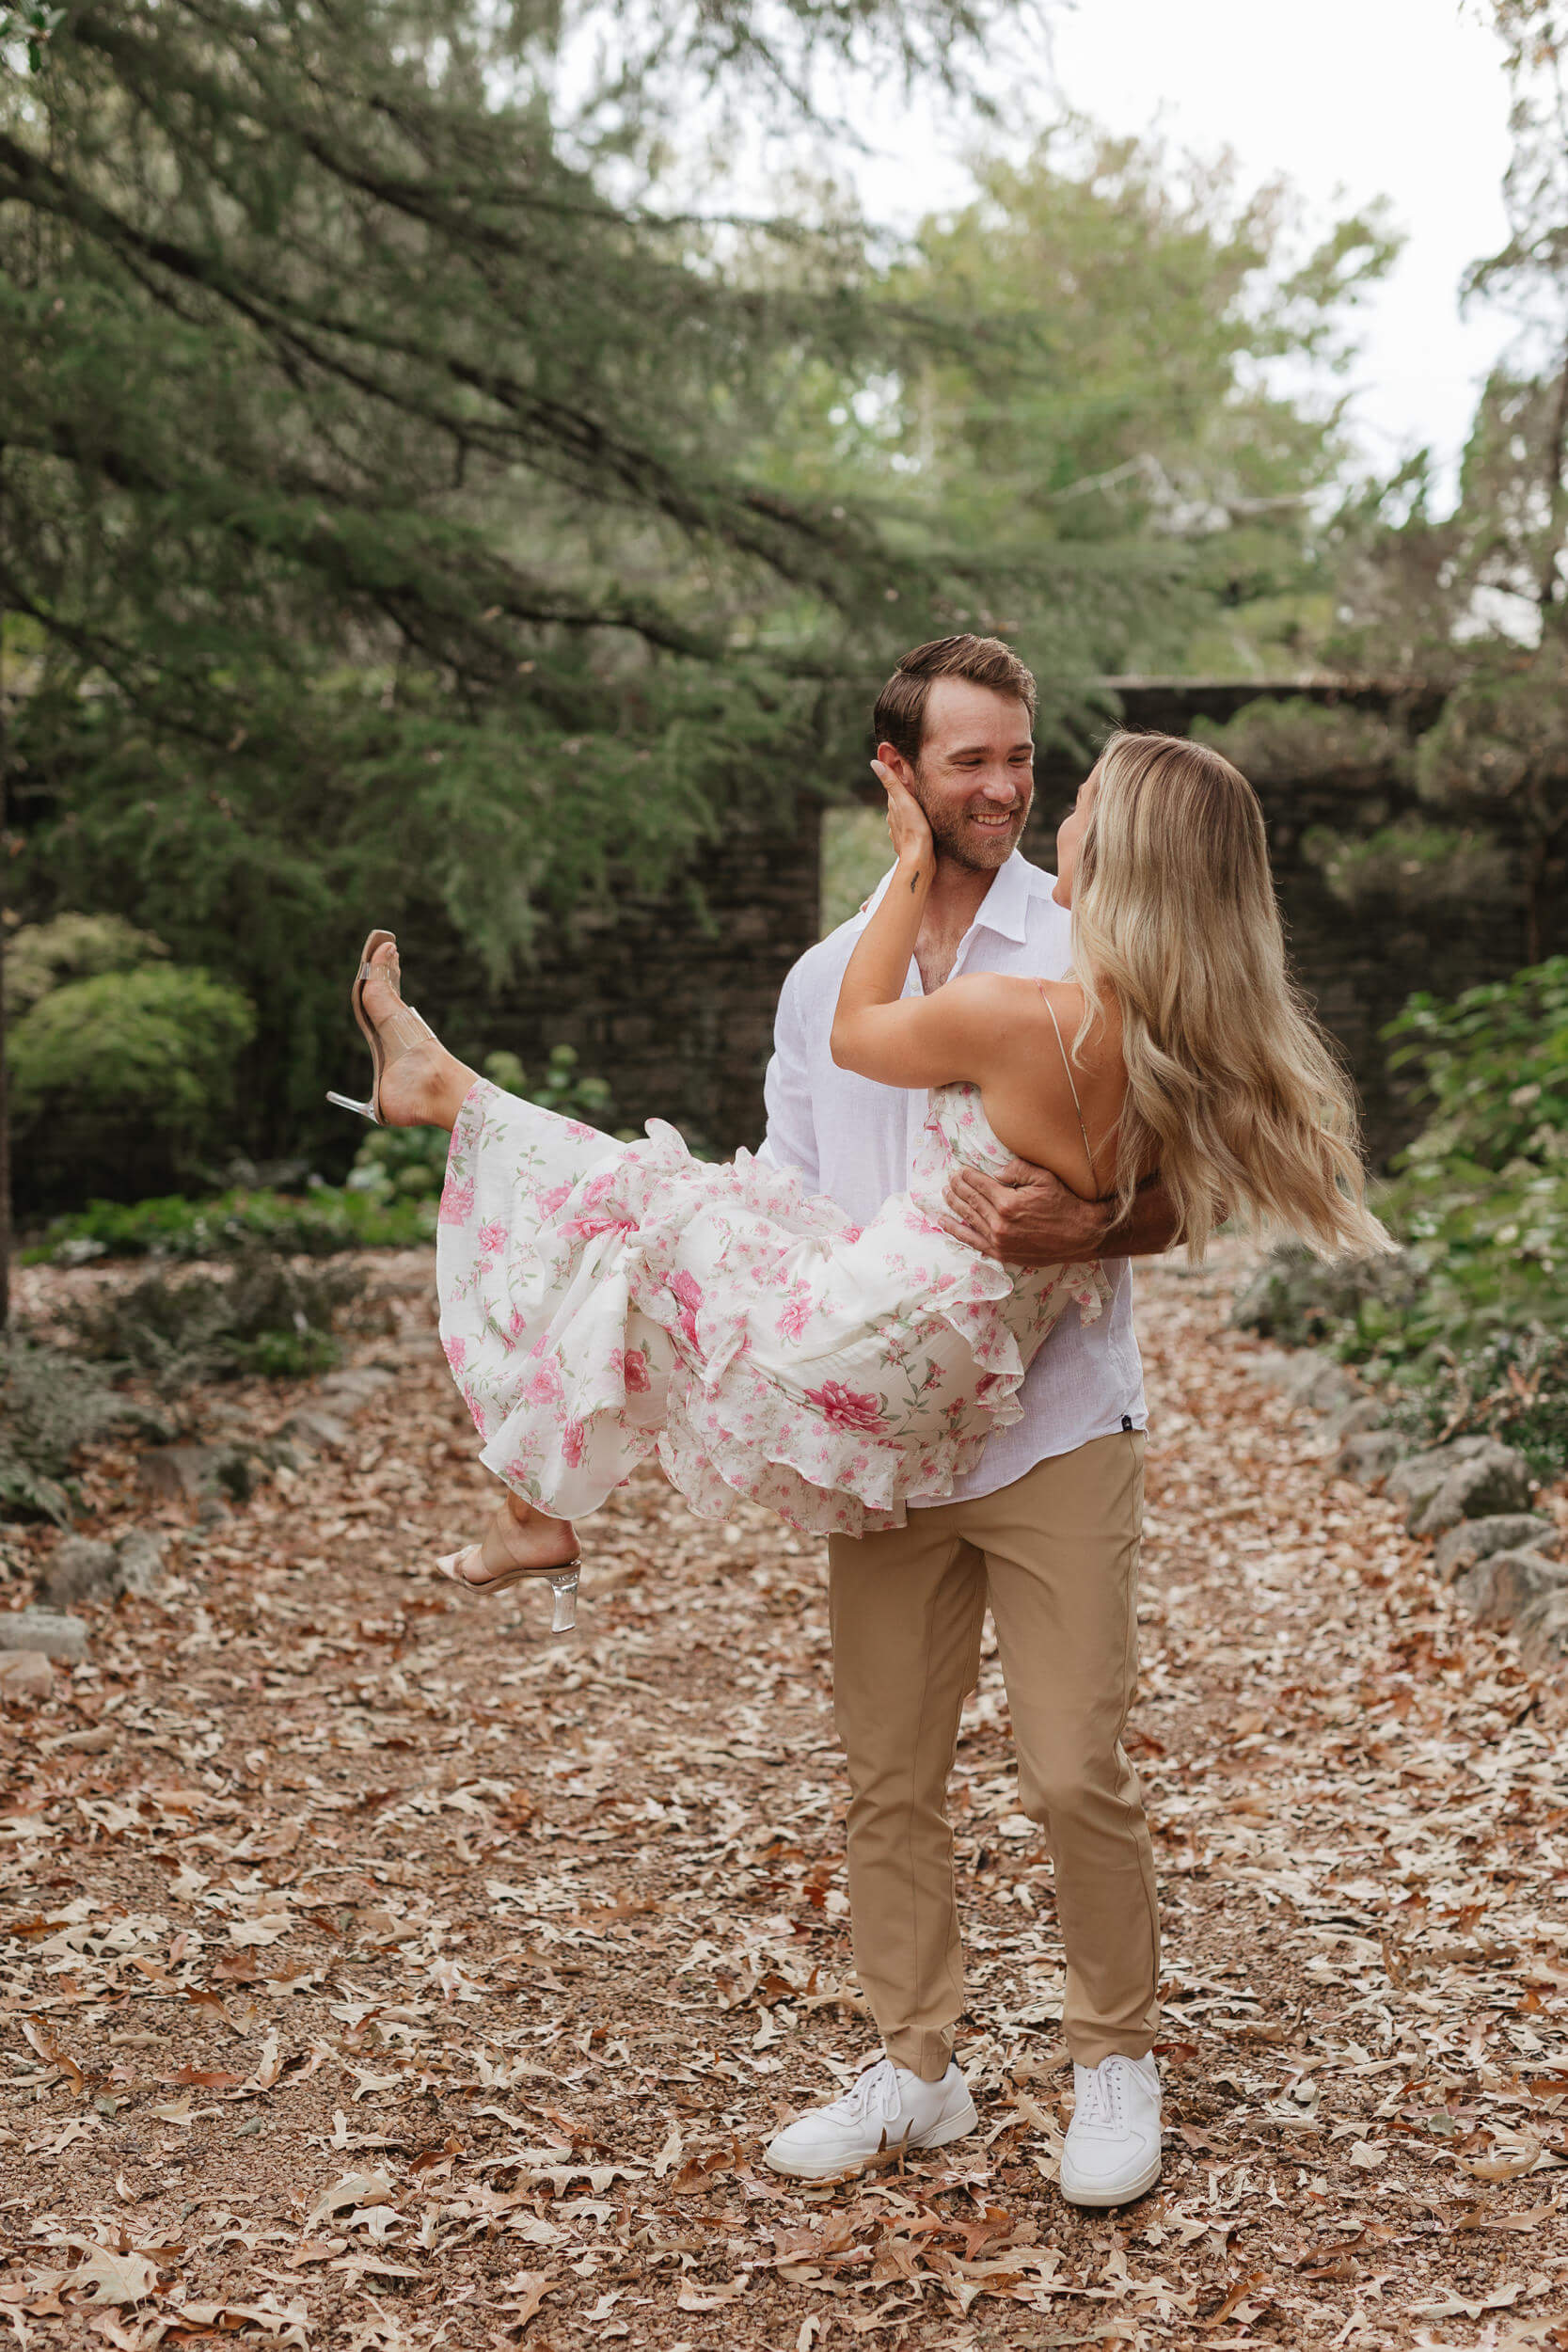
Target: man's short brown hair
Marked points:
899	718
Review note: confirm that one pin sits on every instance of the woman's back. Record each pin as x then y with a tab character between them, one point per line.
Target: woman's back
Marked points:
1056	1107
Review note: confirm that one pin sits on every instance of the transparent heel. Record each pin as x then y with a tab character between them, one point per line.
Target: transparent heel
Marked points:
564	1588
347	1103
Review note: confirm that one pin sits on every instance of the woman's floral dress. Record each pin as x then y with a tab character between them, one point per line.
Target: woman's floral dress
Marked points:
602	1301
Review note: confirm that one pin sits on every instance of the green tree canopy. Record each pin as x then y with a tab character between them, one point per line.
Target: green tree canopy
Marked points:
378	517
404	506
1112	418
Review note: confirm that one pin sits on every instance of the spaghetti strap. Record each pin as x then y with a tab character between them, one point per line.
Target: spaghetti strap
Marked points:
1067	1065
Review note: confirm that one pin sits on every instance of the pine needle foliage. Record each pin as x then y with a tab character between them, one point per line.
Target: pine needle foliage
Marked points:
380	515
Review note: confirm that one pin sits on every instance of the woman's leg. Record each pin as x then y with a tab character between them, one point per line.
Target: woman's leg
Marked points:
424	1085
421	1085
518	1537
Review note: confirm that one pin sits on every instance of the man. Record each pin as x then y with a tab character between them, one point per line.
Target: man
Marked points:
1047	1525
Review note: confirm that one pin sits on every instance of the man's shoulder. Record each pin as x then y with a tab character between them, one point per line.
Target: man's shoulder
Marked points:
826	959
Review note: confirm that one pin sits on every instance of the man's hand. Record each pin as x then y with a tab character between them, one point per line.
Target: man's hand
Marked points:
1029	1217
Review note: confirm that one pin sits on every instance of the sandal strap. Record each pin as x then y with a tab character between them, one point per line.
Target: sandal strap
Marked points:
402	1032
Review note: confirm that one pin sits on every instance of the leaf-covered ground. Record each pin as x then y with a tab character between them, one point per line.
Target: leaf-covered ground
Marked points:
384	1973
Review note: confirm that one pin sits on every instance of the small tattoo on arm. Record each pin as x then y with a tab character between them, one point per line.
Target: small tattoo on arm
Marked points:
914	881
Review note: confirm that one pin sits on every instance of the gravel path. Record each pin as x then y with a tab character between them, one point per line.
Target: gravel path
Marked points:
383	1973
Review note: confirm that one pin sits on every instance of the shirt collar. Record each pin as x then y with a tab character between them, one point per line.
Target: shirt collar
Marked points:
1003	909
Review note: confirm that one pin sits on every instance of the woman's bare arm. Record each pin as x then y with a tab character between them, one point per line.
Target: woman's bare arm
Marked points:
927	1040
916	1040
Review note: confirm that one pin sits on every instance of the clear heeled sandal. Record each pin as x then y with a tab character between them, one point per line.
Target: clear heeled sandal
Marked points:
561	1578
401	1033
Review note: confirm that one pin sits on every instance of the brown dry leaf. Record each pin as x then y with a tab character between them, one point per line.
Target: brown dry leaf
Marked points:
265	1930
567	1927
358	2189
525	2293
105	2277
694	2299
1508	2164
269	2066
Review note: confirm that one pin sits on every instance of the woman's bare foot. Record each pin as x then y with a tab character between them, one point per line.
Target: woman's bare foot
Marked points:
422	1084
518	1537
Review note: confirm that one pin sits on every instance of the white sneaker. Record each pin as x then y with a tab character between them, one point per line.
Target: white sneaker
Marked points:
887	2107
1112	2151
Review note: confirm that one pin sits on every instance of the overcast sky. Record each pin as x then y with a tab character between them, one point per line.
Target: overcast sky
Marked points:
1348	100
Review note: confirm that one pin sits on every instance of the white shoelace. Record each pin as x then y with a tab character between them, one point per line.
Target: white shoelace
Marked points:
876	2090
1099	2095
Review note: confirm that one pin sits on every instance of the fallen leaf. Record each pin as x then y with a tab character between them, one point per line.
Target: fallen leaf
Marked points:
109	2278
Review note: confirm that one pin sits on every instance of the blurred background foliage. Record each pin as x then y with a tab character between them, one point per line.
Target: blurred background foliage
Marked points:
405	492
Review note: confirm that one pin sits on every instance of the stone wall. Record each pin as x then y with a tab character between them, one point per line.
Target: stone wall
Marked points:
672	1001
670	997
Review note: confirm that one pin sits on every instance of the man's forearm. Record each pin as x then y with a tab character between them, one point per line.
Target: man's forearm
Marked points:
1030	1218
1147	1230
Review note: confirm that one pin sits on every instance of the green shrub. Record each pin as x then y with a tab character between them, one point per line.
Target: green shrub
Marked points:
855	853
1496	1066
317	1224
389	1202
263	1316
1302	1301
1419	868
42	957
125	1080
50	1406
560	1090
1474	1333
1283	741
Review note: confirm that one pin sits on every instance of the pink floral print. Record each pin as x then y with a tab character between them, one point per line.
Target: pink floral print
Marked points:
457	1200
794	1313
688	1293
602	1302
846	1409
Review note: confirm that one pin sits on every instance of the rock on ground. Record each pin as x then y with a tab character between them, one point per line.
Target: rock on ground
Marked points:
1472	1478
1543	1630
1473	1539
1503	1583
1419	1475
1369	1454
46	1629
26	1673
80	1569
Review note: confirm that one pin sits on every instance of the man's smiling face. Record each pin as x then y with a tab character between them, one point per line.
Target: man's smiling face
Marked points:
974	777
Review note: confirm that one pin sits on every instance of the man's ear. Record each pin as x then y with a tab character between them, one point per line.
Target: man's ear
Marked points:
900	767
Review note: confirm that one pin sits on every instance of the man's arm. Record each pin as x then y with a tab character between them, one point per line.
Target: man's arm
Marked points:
791	1137
1029	1217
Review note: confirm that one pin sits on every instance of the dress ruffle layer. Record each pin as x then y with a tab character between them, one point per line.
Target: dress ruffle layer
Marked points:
602	1301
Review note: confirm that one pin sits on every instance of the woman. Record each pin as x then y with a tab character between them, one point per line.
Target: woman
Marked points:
601	1301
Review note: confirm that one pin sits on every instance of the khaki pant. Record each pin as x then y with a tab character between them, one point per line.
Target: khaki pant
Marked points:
1057	1552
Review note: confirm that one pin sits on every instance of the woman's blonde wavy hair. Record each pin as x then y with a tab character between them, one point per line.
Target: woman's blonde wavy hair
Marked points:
1233	1091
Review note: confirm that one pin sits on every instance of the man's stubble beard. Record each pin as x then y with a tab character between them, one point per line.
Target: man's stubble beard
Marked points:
952	843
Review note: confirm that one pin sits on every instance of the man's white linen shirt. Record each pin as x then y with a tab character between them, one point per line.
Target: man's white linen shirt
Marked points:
855	1140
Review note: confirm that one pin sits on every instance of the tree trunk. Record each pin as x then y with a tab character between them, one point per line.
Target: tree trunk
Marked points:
4	902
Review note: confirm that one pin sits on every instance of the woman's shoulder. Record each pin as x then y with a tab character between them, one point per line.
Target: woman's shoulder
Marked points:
1070	1002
